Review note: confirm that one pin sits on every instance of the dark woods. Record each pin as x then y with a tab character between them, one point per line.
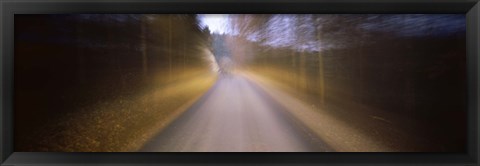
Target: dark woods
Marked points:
108	82
408	66
65	63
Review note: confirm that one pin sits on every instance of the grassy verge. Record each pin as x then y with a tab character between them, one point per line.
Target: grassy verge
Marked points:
123	124
346	126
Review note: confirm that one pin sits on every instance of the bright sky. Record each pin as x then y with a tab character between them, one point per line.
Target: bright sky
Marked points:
217	23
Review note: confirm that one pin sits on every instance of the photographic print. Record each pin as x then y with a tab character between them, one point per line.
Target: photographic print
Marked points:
240	83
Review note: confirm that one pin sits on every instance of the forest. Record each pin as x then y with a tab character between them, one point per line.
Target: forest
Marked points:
111	82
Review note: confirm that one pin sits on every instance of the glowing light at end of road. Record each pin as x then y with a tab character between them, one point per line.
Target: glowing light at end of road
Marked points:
216	23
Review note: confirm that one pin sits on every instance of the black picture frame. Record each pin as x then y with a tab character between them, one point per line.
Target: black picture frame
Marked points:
8	8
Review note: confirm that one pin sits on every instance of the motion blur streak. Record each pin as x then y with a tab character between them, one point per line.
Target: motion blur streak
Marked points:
240	83
234	116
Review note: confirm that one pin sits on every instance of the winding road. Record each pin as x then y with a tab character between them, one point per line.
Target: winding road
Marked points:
236	115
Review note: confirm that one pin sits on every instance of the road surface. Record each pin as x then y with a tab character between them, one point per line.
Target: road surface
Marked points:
236	115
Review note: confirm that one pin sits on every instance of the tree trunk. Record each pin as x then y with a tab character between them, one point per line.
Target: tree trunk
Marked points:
294	70
184	49
80	59
170	47
321	72
143	46
303	71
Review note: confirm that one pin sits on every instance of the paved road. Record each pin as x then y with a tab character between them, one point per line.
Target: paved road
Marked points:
236	115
